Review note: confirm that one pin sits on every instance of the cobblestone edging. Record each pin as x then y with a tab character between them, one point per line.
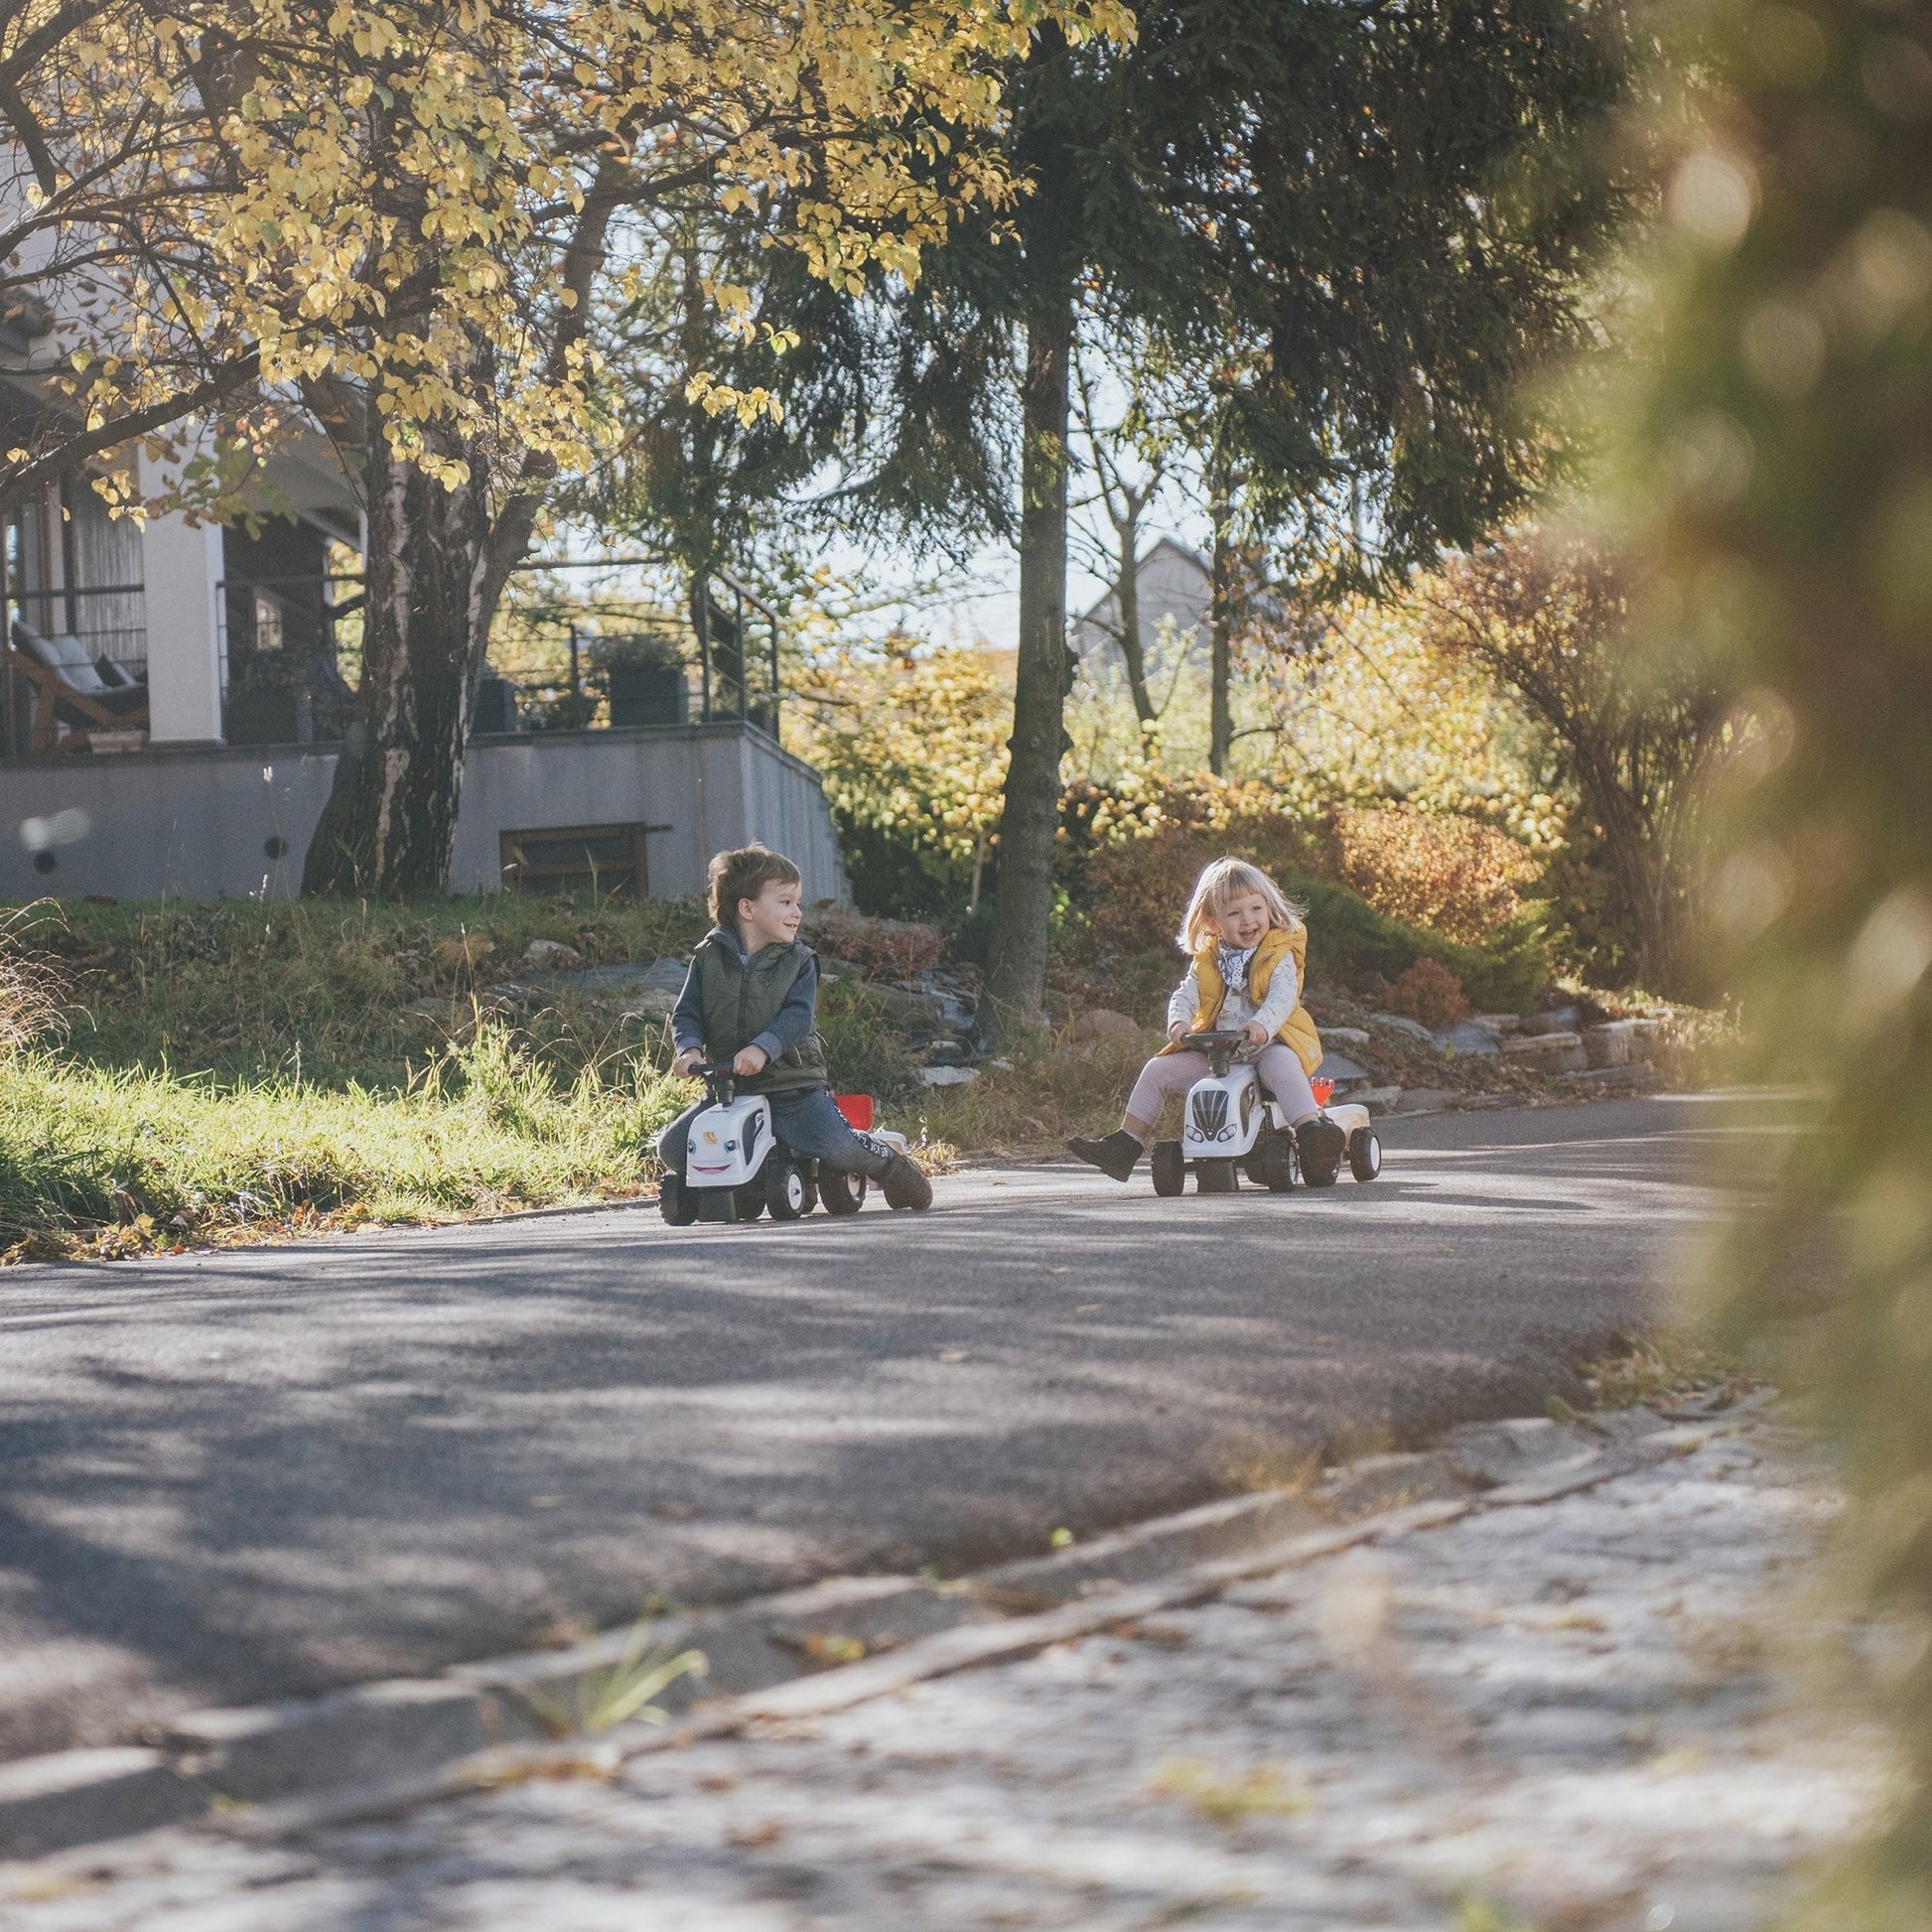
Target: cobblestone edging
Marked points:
390	1742
1561	1707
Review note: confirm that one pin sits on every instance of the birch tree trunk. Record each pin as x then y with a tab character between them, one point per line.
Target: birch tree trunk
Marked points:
391	821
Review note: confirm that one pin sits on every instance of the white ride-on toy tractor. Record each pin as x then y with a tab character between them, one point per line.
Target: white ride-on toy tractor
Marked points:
1232	1124
737	1168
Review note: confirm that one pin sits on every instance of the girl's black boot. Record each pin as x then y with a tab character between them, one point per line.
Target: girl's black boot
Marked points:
1113	1153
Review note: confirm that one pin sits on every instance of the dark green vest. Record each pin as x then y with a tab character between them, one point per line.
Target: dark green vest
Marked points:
741	998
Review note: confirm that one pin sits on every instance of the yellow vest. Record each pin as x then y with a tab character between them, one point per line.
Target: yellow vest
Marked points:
1298	1030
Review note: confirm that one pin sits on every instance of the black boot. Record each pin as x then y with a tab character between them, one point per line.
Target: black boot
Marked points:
1114	1154
904	1184
1320	1144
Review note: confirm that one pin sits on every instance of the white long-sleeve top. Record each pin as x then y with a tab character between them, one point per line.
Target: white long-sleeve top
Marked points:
1238	1008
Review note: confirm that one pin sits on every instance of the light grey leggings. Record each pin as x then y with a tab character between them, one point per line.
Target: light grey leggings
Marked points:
1280	1072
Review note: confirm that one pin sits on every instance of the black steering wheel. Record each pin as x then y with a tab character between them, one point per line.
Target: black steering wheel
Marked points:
1218	1043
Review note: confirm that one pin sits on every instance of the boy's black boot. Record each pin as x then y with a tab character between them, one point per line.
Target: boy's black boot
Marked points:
1113	1153
905	1184
1320	1144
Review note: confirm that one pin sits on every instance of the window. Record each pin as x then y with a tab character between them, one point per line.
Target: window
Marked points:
606	859
268	621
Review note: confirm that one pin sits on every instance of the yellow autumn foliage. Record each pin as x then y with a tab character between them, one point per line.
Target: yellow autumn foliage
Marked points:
409	202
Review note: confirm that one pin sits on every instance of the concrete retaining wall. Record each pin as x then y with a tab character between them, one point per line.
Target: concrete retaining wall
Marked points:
236	822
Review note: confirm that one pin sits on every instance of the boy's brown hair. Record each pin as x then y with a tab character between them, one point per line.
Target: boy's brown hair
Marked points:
745	873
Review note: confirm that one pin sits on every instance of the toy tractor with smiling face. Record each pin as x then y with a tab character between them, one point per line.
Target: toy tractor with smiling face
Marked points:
1231	1124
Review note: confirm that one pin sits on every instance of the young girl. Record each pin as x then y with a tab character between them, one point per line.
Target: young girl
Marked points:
1249	949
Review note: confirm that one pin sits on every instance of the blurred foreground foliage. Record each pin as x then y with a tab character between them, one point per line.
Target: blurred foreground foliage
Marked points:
1780	495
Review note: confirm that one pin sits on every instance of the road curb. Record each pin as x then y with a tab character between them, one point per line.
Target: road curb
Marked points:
274	1768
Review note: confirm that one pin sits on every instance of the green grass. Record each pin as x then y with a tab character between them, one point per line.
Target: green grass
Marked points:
230	1072
1038	1100
319	991
119	1160
236	1071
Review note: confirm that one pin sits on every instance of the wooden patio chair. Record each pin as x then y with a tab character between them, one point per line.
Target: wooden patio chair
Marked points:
69	689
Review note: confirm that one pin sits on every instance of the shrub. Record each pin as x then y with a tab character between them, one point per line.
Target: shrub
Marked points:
1437	870
1132	858
1427	991
894	947
1351	943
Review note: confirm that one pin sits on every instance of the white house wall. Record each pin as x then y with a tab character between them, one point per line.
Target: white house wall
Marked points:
200	823
182	566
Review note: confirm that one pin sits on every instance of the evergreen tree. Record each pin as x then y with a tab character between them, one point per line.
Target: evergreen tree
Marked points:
1378	214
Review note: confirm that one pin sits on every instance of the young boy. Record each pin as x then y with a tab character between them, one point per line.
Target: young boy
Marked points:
751	998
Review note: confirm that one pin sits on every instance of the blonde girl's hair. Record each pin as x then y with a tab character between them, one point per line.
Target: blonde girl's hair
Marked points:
1221	884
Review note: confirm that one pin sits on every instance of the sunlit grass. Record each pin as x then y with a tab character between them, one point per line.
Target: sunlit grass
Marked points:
121	1160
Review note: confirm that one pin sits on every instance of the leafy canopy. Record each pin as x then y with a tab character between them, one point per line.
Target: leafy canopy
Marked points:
385	203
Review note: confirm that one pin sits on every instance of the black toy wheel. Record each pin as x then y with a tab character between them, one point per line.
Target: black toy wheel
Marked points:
1364	1153
675	1201
1217	1177
784	1191
842	1193
748	1202
1169	1170
1272	1165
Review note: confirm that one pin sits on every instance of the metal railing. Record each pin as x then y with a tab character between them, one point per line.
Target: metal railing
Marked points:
726	653
281	645
726	646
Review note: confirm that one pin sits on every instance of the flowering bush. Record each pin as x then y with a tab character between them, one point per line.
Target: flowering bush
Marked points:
911	751
1132	854
1438	870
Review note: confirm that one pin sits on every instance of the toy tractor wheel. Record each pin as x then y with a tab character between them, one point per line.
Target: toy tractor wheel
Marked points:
1217	1177
675	1203
1273	1163
842	1193
1364	1153
747	1202
1169	1170
784	1191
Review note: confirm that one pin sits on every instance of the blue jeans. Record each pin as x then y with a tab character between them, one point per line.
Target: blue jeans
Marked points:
806	1120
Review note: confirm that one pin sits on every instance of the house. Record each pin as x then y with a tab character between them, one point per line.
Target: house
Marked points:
217	654
1175	582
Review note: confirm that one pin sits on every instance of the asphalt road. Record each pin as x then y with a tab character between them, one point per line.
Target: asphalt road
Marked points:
227	1478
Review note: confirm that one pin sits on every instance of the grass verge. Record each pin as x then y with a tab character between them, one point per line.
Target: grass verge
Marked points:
106	1162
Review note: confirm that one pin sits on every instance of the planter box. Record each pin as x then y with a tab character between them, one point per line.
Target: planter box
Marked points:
652	694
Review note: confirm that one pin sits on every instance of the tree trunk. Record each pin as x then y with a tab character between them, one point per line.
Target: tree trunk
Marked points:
390	820
1127	594
436	570
1636	857
1016	979
1222	599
